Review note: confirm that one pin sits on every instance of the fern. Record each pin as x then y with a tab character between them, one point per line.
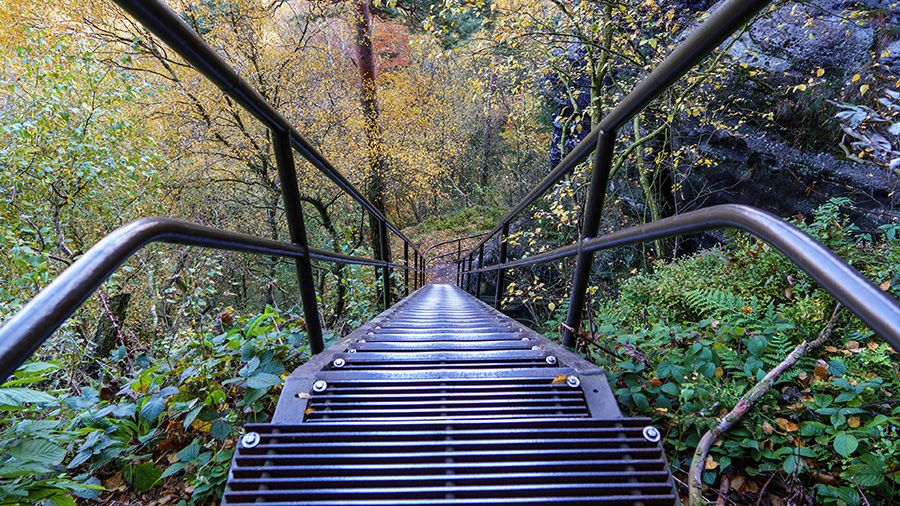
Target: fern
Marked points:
714	301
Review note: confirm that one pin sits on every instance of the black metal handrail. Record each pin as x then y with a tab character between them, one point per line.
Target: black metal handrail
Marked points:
873	306
457	240
41	316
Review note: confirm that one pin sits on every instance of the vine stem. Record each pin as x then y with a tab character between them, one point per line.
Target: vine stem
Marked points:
695	484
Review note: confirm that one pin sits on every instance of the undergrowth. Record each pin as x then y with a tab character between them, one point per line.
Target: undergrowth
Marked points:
683	344
163	426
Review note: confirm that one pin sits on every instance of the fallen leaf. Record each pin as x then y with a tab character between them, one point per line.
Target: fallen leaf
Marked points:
786	424
775	501
825	479
872	346
115	482
662	410
304	395
853	422
831	349
821	373
655	382
885	286
852	345
710	463
200	425
738	482
560	380
719	372
767	428
309	410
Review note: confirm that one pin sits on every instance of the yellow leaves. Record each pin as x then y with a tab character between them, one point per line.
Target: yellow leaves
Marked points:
710	463
744	65
820	72
885	286
863	89
560	380
551	306
853	422
200	425
855	78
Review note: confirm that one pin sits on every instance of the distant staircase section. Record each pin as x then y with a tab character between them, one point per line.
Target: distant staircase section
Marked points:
443	401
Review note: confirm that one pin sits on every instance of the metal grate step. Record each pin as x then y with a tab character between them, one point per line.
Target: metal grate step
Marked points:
486	462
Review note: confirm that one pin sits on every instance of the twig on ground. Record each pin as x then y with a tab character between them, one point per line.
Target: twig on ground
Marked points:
695	484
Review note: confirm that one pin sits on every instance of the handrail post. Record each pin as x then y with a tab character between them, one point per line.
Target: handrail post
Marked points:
416	272
406	271
498	293
458	273
287	173
468	287
478	277
385	246
593	210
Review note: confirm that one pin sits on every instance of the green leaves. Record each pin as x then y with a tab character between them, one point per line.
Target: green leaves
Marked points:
38	451
145	475
845	444
153	408
16	396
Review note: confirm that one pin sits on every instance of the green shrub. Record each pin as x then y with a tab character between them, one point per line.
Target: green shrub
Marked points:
684	343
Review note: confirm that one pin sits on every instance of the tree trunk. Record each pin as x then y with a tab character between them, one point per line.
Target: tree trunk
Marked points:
365	62
106	339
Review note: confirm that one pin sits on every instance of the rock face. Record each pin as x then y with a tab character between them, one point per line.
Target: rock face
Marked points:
756	169
805	37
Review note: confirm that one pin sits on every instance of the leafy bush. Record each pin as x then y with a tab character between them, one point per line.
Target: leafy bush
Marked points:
177	414
684	343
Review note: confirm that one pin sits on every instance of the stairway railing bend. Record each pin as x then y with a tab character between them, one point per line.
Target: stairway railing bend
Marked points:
39	318
874	307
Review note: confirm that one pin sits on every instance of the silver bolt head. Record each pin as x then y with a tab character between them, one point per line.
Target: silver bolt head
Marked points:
551	360
652	434
351	350
573	381
535	348
339	362
362	341
526	339
320	386
250	440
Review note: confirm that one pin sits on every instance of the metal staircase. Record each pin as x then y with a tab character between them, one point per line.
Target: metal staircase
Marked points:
443	400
